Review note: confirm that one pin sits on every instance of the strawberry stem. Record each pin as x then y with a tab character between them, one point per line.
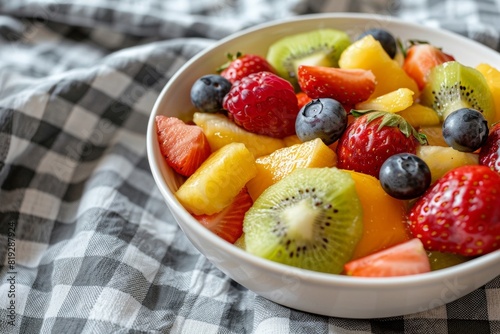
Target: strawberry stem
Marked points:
230	58
392	120
401	47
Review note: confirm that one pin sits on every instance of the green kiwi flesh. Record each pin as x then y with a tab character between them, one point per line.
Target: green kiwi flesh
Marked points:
452	86
310	219
440	260
321	47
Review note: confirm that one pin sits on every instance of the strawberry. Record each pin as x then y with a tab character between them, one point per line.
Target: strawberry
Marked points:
184	146
373	137
302	99
460	212
419	60
240	66
263	103
348	86
489	155
407	258
228	223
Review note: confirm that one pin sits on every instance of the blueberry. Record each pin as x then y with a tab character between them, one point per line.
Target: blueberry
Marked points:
208	92
405	176
384	37
322	118
465	130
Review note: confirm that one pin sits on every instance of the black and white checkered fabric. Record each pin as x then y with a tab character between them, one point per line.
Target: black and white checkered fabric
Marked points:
96	249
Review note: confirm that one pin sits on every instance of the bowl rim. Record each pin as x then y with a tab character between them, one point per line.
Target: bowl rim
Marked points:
319	278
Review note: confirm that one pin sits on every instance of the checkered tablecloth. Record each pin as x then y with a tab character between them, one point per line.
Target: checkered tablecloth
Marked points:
96	249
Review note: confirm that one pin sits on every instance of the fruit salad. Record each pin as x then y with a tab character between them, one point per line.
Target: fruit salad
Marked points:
360	156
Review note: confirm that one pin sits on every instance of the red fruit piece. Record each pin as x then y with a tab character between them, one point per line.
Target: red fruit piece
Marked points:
489	155
407	258
348	86
184	146
263	103
372	138
240	66
420	59
460	213
228	224
303	99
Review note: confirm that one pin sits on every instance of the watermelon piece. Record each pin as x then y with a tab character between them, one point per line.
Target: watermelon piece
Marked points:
228	223
184	146
407	258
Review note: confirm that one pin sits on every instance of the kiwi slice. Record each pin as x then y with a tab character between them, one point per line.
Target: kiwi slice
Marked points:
452	86
321	47
311	219
440	260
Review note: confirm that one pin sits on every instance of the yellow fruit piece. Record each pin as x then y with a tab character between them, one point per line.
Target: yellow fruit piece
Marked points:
240	242
218	180
367	53
384	222
221	131
443	159
419	115
274	167
492	76
434	135
292	140
394	101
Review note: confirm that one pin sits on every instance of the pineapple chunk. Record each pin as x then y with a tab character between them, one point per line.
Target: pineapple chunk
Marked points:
394	101
434	135
367	53
221	131
419	115
274	167
443	159
218	180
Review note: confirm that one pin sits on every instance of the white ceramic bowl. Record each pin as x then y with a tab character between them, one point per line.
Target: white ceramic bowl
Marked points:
325	294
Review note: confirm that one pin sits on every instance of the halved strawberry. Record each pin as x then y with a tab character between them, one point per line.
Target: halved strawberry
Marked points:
489	155
228	224
460	212
348	86
184	146
239	66
407	258
419	60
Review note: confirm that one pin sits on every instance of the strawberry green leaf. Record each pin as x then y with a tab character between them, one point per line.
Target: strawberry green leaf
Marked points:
392	120
357	112
417	41
401	47
230	58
